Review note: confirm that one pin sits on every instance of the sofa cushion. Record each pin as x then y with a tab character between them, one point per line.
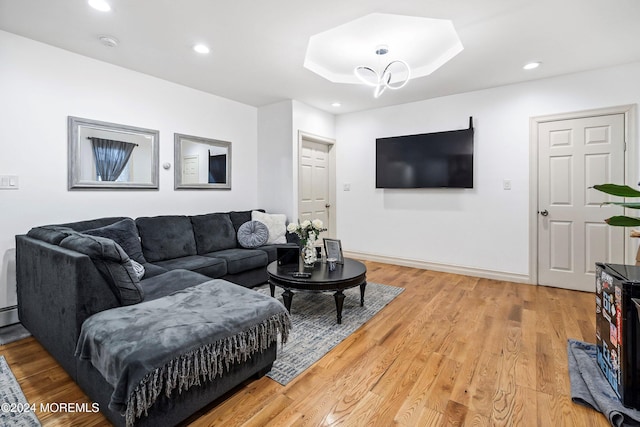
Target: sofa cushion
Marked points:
276	223
213	232
125	234
252	234
240	217
92	223
53	234
112	262
151	270
166	237
239	260
212	267
170	282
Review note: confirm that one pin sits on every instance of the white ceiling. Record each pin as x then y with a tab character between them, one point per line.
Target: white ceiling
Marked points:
258	47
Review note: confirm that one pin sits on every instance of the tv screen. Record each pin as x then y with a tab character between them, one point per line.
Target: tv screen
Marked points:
428	160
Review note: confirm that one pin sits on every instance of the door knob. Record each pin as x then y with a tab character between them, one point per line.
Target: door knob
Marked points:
328	205
544	212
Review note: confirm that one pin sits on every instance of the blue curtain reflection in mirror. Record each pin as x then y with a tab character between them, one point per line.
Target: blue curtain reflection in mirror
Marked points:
111	157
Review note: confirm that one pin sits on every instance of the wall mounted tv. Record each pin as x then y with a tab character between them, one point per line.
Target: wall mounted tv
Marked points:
428	160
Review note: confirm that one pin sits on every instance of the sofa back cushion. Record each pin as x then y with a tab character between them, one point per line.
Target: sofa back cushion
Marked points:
240	217
112	262
213	232
166	237
92	223
125	234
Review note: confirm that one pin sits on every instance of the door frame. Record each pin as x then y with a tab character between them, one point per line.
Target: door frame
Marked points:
630	178
330	142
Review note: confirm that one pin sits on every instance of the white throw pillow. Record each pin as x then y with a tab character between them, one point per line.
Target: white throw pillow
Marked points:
276	223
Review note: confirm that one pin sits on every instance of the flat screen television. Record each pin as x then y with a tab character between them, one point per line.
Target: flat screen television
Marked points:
428	160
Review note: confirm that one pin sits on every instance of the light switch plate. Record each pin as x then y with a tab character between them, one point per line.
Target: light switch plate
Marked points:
9	182
506	184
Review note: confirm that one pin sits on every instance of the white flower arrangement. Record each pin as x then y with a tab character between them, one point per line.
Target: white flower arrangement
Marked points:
307	230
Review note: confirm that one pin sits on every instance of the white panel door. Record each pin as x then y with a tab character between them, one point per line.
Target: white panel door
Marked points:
574	155
190	170
313	190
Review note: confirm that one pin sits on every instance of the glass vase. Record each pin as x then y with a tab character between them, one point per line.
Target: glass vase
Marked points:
308	253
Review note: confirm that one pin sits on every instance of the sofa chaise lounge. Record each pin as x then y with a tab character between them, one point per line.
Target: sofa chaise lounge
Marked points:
124	276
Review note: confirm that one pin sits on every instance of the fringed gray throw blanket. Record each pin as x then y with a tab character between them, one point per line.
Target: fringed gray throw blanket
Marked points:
178	341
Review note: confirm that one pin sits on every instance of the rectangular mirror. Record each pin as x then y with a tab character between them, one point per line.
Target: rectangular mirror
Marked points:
111	156
201	163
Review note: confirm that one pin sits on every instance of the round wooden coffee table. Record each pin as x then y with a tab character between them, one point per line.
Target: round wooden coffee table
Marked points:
348	275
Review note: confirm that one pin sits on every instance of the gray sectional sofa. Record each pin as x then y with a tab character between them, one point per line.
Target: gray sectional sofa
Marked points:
67	273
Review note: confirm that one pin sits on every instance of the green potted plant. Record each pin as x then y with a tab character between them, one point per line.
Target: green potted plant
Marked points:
621	191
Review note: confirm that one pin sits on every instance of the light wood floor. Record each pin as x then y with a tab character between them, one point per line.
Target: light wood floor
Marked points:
450	350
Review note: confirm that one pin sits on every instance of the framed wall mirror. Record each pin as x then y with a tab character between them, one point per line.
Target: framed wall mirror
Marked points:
201	163
106	155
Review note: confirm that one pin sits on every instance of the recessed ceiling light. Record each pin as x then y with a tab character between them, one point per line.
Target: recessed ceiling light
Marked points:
100	5
336	104
108	41
532	65
200	48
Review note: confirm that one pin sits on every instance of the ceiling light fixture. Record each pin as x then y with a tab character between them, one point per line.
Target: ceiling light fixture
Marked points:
200	48
100	5
384	80
336	104
532	65
108	41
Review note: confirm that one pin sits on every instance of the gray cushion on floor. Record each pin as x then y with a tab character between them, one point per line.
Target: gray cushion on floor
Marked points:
240	260
212	267
166	237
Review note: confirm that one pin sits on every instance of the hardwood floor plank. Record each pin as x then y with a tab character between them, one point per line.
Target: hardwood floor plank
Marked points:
449	350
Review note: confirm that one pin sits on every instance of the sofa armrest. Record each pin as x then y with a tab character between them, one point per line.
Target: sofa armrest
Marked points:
57	290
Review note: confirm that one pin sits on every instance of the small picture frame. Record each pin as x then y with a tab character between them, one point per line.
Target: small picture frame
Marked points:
333	249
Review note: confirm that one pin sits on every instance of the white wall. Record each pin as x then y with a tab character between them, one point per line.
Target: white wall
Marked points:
278	127
275	186
41	85
485	228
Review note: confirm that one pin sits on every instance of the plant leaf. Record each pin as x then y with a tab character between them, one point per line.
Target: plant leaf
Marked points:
623	221
626	205
617	190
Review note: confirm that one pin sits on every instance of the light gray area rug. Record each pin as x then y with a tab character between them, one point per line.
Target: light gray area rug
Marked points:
315	330
14	408
11	333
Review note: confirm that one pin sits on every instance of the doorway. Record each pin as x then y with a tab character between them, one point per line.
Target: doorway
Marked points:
573	152
316	181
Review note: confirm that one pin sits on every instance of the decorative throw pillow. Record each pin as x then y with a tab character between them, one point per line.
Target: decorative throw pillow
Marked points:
138	269
253	234
124	233
276	223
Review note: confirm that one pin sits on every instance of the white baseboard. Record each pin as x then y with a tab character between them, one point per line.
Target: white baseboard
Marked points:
446	268
9	316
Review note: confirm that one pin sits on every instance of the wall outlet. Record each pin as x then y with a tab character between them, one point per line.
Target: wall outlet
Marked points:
346	187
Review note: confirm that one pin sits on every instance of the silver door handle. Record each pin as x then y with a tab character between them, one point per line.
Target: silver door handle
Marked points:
544	212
